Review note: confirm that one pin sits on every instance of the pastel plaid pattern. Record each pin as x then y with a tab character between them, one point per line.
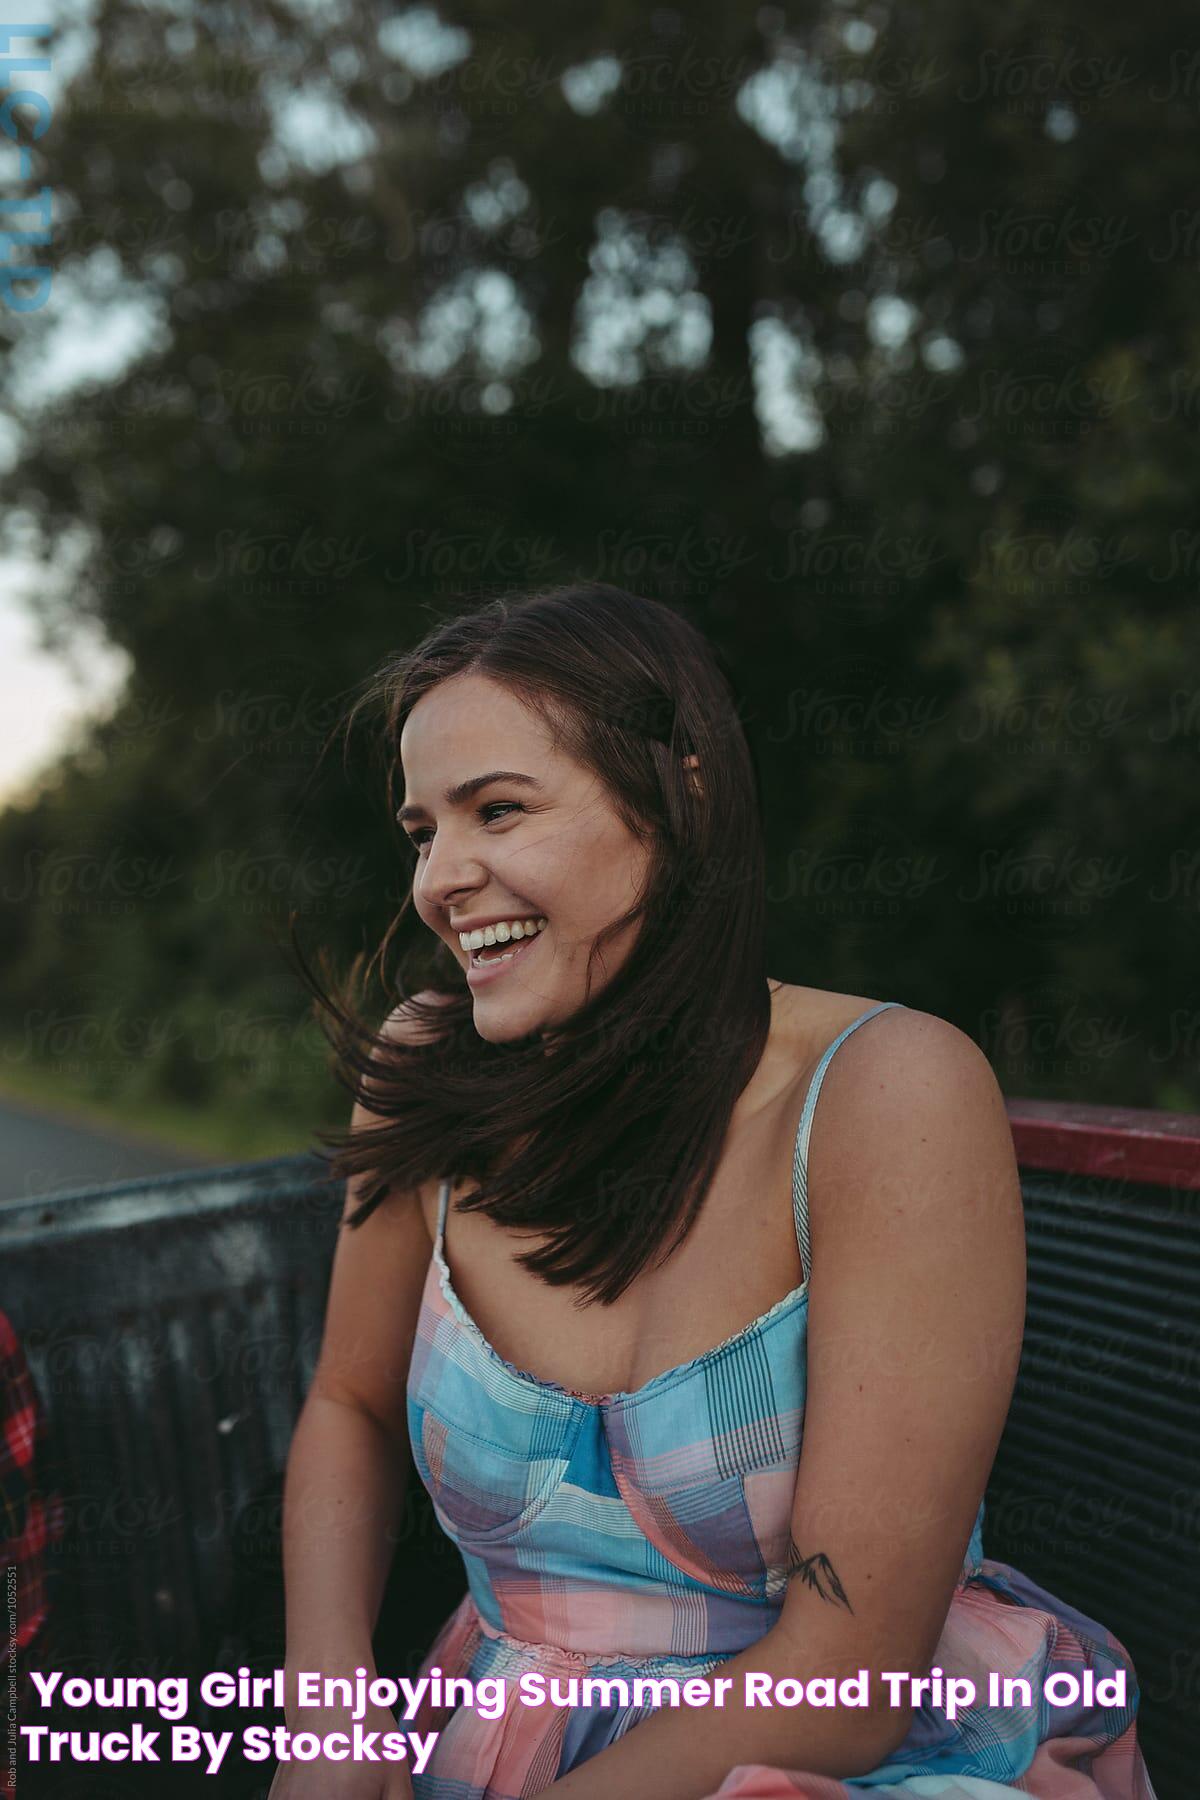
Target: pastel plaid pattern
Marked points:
647	1533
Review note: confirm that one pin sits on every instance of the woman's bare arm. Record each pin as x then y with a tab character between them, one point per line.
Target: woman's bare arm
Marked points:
347	1470
914	1336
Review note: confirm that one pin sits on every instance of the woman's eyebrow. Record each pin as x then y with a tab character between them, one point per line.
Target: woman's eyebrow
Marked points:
455	796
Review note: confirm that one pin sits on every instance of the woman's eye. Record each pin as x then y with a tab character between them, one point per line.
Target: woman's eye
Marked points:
423	833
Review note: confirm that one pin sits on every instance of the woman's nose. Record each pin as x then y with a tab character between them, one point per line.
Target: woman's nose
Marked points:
447	871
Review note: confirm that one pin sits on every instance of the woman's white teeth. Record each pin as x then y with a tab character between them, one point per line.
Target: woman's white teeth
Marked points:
501	933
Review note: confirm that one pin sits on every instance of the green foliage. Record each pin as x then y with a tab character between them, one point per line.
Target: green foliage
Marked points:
965	618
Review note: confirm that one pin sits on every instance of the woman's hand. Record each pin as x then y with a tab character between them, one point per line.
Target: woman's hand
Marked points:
323	1779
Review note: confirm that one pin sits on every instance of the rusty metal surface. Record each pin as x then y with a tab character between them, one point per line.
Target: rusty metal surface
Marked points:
1135	1143
1095	1490
172	1326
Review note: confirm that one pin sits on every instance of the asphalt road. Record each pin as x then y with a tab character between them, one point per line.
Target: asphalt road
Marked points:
42	1152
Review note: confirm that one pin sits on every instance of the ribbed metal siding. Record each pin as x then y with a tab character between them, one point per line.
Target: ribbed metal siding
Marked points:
173	1324
1095	1492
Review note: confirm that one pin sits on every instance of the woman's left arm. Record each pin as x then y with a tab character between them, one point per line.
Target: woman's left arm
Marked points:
916	1316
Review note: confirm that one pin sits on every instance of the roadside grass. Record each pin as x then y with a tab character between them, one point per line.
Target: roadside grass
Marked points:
218	1133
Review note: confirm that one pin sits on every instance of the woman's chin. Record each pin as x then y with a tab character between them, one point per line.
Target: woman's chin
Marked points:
503	1020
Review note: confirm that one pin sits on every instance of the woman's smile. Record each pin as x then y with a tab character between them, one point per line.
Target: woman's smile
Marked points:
510	831
500	958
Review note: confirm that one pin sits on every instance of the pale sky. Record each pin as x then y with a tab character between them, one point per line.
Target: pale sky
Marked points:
43	695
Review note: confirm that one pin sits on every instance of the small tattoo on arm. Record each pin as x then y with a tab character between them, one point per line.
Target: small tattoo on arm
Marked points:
816	1572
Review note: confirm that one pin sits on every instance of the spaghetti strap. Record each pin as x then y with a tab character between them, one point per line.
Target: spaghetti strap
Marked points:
641	1537
800	1158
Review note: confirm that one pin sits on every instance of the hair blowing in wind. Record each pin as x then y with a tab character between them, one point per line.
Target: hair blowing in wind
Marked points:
602	1135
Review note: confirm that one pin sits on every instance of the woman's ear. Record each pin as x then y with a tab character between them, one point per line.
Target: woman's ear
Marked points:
692	763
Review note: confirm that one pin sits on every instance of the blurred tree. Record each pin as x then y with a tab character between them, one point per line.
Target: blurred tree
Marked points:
861	332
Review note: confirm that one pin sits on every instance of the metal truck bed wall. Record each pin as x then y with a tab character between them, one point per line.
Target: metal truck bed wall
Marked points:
172	1326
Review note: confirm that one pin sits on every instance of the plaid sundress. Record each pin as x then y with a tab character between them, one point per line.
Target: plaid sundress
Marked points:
647	1533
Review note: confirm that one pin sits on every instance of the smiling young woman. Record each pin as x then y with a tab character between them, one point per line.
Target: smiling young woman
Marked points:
677	1428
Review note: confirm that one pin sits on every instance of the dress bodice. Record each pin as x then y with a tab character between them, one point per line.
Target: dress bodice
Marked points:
651	1523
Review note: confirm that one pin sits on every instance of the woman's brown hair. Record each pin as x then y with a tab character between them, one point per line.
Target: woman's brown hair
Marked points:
604	1138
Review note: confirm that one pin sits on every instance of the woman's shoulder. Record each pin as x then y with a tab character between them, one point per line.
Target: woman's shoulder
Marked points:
908	1087
909	1048
910	1105
800	1016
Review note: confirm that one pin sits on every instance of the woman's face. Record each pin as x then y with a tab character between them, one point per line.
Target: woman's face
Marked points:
540	842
